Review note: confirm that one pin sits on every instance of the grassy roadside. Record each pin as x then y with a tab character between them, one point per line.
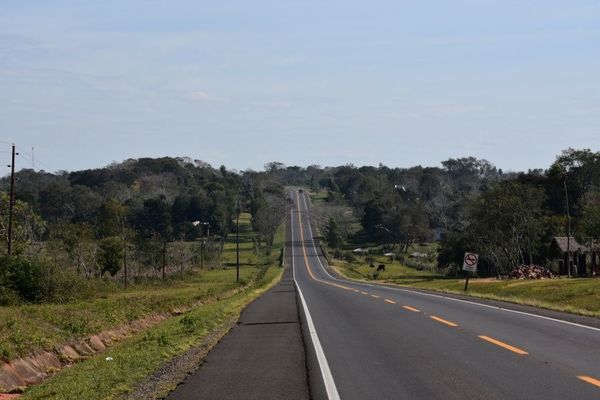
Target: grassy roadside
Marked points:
577	296
136	358
139	356
33	327
28	328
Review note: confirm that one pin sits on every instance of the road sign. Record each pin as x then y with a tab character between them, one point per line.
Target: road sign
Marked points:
470	262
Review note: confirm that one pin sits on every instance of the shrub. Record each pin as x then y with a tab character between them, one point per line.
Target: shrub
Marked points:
35	280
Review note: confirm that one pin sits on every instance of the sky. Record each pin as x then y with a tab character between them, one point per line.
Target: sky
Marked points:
242	83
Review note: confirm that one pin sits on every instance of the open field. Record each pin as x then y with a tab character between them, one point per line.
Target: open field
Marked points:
318	197
32	327
360	269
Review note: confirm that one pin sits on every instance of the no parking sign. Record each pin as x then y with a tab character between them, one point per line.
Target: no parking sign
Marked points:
470	262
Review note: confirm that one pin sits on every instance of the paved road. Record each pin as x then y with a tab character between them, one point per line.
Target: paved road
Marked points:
373	342
260	358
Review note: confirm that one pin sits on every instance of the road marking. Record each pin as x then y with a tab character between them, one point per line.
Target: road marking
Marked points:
308	268
398	289
590	380
365	293
390	301
375	296
330	386
411	309
504	345
443	321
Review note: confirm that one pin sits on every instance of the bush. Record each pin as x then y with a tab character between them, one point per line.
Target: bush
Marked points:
35	280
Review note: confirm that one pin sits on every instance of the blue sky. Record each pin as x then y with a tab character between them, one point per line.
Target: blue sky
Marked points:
242	83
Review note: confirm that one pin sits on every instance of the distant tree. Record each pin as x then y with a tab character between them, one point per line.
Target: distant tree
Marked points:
268	215
590	218
110	255
506	224
27	226
334	235
78	241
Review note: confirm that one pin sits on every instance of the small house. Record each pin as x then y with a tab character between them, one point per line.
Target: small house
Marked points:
569	252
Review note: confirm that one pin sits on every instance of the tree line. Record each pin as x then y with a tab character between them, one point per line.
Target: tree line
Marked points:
150	217
509	218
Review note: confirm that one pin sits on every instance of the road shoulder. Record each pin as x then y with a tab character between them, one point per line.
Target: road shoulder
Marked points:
262	357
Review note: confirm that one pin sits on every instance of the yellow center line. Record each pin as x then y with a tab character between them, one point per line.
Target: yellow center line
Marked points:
443	321
504	345
310	272
374	295
590	380
390	301
409	308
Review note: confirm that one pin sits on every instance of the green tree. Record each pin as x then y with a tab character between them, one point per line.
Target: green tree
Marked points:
334	236
110	255
507	224
27	226
590	218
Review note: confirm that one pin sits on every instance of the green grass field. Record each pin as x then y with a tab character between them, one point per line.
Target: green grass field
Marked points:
578	296
319	197
138	357
360	269
32	327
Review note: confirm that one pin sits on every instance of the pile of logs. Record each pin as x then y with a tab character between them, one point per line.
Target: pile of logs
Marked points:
531	272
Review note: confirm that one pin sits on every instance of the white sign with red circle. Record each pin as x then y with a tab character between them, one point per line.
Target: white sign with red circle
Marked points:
470	262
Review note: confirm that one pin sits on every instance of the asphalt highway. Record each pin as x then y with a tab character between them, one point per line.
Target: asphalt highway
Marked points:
375	342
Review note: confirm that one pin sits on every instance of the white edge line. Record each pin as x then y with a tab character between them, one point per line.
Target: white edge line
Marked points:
330	387
440	296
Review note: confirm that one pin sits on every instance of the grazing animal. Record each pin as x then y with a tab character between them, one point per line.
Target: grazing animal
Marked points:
372	265
381	267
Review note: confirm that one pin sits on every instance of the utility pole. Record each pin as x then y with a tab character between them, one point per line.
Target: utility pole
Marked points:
568	228
125	259
237	241
164	258
11	200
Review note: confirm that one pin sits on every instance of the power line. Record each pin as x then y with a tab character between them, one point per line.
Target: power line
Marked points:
33	161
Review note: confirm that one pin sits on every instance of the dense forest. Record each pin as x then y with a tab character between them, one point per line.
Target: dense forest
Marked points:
144	215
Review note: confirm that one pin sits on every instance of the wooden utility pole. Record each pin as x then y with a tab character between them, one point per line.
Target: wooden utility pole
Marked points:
164	259
237	242
568	228
11	200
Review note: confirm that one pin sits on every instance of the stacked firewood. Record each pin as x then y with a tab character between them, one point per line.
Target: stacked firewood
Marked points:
531	272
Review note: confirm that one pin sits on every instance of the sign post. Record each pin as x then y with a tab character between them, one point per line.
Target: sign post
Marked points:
470	265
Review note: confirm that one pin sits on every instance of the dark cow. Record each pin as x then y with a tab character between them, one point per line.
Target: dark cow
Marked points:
381	267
